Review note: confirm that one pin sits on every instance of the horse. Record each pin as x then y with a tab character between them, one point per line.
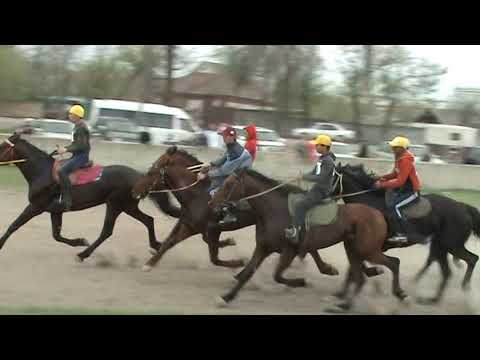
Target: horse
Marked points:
449	224
361	228
112	188
171	171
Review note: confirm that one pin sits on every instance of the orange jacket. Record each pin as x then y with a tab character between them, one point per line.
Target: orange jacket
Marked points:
251	144
404	174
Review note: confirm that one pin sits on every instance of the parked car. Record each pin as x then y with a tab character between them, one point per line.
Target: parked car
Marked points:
55	129
117	129
335	131
267	140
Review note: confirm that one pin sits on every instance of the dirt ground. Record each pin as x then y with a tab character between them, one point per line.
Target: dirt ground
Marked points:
37	271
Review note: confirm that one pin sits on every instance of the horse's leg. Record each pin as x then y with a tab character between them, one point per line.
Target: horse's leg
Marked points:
342	293
259	254
323	267
471	260
393	264
431	258
446	273
28	213
107	231
212	239
180	232
146	220
286	258
357	276
57	228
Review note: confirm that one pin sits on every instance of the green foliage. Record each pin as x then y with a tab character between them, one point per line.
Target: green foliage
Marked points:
14	74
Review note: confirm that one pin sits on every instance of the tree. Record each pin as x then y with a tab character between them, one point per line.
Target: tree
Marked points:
401	76
15	74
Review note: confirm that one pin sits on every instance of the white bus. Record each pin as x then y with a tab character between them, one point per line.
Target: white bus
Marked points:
156	123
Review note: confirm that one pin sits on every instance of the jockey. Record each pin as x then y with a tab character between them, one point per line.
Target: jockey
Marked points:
80	148
406	187
251	144
322	175
236	157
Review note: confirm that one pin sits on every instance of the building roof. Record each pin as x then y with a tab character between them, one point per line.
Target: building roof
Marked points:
212	79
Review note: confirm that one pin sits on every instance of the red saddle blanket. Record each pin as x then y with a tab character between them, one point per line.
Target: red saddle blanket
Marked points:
81	176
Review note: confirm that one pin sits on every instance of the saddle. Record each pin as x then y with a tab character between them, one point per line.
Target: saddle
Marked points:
88	173
415	210
323	214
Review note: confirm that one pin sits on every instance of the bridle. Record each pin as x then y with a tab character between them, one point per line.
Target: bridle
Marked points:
163	181
10	151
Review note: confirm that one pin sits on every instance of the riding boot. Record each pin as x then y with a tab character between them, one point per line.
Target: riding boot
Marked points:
66	188
228	216
399	236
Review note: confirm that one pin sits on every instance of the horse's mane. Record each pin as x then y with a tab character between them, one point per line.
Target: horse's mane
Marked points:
362	178
172	150
29	146
285	189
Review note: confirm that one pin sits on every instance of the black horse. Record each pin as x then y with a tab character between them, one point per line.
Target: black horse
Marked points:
113	188
449	224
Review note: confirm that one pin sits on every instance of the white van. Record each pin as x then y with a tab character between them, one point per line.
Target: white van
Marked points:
156	123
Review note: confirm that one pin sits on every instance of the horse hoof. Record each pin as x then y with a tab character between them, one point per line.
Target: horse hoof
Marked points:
230	242
152	252
336	309
220	302
331	271
78	259
147	268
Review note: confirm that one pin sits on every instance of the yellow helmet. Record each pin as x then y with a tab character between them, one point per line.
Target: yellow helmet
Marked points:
77	110
322	140
400	141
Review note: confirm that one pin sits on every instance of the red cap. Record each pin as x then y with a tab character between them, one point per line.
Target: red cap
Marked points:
229	131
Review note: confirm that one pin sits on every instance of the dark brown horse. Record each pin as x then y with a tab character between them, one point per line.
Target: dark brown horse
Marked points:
362	229
171	171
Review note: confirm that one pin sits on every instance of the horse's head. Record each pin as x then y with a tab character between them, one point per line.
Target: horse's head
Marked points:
232	189
155	178
8	151
353	178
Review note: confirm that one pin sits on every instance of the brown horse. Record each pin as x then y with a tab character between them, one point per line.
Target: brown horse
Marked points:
362	229
171	171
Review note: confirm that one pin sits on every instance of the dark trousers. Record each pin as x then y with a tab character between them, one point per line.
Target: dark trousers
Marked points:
301	208
74	163
397	201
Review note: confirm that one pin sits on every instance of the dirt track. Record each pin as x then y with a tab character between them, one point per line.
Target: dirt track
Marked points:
37	271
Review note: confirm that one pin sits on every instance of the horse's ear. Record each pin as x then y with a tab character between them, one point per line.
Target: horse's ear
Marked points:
172	150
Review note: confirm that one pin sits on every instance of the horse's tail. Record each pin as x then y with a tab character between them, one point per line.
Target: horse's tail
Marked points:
475	215
163	202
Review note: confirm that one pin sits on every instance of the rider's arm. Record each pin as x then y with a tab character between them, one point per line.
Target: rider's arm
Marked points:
322	175
229	167
80	141
405	167
390	176
219	161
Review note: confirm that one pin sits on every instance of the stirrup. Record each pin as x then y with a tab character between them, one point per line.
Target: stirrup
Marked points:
228	219
398	239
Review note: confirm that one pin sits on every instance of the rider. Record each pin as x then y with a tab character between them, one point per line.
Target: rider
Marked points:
406	186
80	148
235	157
322	175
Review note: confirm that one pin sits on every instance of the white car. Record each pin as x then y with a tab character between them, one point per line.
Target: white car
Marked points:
335	131
55	129
267	140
